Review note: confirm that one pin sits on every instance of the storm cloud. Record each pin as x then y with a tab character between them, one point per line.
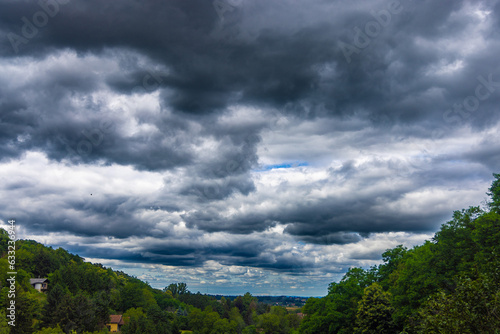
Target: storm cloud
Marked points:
241	142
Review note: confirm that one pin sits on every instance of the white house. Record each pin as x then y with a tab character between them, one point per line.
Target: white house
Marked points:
39	284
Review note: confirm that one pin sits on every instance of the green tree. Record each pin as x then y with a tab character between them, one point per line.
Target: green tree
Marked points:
293	320
473	308
249	330
336	313
210	317
177	289
45	262
56	330
133	296
25	309
195	318
54	298
226	306
374	315
160	319
320	313
249	305
238	302
392	258
137	323
454	248
486	238
414	281
223	326
84	313
270	323
494	192
235	316
182	288
101	307
4	326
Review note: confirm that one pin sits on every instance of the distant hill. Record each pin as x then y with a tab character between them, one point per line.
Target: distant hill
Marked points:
286	301
81	296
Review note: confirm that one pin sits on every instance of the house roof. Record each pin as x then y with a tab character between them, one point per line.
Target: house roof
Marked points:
38	280
116	319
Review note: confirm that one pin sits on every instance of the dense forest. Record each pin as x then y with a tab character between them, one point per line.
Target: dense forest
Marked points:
450	284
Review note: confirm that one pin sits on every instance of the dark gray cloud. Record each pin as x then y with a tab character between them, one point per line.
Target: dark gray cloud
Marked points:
264	135
277	66
302	68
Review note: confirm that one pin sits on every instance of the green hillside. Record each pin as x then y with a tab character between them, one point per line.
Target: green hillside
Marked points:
81	297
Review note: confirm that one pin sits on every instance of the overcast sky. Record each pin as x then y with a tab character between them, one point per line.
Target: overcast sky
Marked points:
245	145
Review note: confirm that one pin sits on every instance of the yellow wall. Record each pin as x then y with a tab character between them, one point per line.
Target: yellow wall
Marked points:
113	327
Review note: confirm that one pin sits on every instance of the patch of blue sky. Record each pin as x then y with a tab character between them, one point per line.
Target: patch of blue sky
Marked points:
266	168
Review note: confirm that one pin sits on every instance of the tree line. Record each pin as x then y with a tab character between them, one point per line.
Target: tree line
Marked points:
450	284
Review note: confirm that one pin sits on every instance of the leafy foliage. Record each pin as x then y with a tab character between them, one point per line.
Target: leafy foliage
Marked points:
474	307
494	192
374	313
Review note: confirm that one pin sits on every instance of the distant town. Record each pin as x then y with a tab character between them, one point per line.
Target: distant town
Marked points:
285	301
